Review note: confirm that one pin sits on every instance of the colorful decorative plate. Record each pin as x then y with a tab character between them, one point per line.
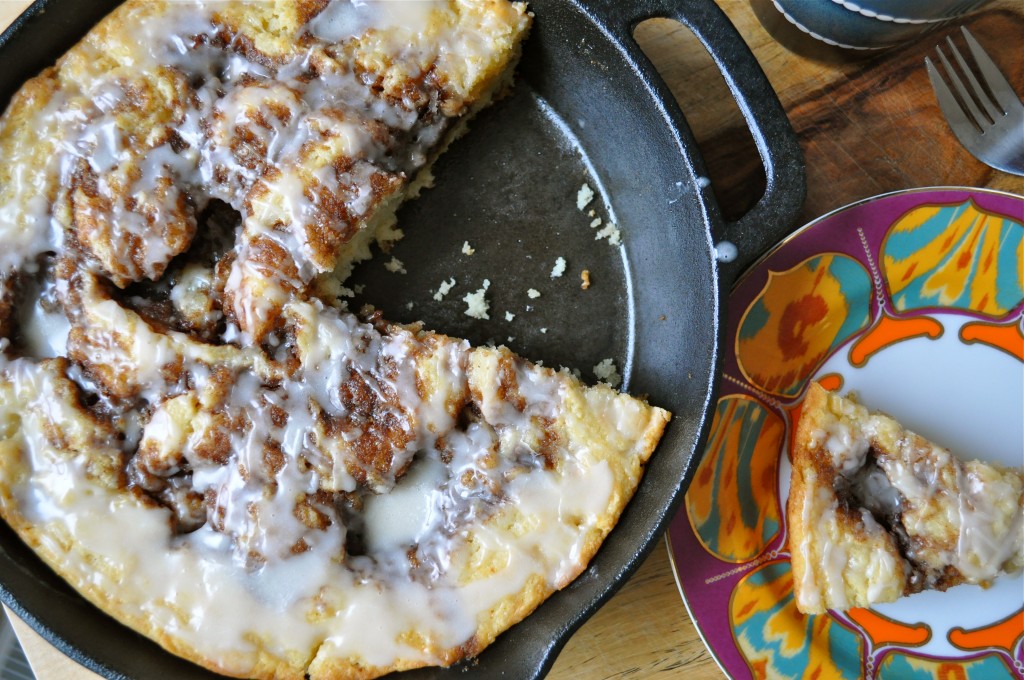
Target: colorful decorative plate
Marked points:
914	300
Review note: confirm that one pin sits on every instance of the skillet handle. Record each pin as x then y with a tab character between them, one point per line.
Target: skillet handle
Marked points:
775	214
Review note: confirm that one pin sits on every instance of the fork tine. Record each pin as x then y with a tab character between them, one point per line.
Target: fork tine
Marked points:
980	95
994	78
955	116
965	98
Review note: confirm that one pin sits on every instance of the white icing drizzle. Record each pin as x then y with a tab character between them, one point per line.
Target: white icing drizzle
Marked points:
344	19
990	539
404	516
809	594
42	326
882	571
849	450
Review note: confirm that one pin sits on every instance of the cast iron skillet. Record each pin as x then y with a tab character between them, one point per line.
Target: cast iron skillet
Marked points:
588	106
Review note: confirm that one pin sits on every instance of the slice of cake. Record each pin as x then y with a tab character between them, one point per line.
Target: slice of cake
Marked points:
195	432
877	512
374	498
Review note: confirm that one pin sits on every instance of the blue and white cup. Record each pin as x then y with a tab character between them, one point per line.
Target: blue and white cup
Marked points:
871	24
912	11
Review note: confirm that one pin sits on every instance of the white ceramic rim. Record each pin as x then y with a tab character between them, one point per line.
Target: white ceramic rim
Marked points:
871	14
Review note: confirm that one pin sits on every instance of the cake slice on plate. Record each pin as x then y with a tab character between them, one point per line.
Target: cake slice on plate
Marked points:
877	512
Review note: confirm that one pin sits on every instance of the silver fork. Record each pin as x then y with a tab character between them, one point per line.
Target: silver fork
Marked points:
994	135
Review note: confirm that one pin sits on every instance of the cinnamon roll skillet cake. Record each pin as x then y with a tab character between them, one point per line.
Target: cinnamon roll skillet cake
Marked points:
877	512
194	431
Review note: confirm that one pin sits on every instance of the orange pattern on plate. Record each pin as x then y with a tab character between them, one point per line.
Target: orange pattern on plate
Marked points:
884	631
889	331
1003	634
1005	337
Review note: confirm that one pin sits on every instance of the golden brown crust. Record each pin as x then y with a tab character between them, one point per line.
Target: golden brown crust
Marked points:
802	481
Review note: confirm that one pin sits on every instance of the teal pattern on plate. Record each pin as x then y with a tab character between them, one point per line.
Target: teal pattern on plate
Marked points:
954	257
778	641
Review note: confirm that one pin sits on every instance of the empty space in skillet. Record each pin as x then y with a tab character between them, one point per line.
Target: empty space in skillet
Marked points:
509	188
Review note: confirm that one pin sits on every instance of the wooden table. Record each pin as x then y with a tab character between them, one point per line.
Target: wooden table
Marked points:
868	125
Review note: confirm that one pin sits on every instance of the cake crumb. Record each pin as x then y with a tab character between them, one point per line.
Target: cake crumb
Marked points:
612	233
533	293
467	249
574	372
607	373
510	338
410	305
359	288
477	304
444	289
584	196
509	316
596	223
591	213
543	330
395	266
585	276
559	268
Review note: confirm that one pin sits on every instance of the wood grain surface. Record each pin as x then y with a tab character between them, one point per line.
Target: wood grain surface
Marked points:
868	124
